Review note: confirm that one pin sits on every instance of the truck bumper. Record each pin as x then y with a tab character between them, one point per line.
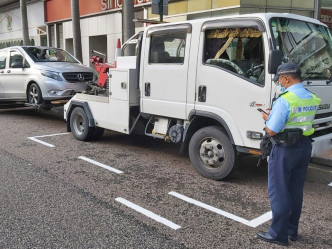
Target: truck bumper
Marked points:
322	145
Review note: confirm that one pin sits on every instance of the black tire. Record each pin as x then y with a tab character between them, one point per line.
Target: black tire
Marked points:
79	125
211	153
34	94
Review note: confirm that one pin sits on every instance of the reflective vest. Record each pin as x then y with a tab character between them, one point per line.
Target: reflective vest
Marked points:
302	112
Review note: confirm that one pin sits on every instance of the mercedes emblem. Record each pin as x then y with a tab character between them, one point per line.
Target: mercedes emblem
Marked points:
80	77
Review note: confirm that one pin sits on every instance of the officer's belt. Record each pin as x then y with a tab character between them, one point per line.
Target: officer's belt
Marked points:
290	137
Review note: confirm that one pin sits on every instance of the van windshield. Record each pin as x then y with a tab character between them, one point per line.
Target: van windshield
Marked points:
306	44
40	54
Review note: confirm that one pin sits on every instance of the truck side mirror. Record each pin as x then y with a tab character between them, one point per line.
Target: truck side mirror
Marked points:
274	61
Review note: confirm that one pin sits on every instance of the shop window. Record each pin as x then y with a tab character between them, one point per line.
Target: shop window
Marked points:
168	48
55	32
51	31
59	36
237	50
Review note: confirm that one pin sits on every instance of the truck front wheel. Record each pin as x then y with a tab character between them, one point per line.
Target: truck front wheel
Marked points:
212	153
79	124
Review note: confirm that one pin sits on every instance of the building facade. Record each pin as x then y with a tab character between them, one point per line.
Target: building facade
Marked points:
11	24
101	20
326	12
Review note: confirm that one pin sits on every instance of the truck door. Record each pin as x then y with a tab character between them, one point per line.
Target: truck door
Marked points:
231	75
165	70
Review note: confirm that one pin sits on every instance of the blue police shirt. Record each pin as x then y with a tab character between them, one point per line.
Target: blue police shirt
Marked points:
281	108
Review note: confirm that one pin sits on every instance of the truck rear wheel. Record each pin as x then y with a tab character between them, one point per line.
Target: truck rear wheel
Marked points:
79	124
212	153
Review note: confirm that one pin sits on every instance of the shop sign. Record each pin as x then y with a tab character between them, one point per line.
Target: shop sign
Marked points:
115	4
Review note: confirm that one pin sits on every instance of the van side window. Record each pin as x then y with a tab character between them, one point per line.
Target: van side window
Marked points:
238	50
167	48
3	57
17	58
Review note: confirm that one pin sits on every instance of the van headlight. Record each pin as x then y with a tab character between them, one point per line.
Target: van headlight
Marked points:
52	75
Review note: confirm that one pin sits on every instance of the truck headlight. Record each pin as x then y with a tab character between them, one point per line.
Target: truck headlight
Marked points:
52	75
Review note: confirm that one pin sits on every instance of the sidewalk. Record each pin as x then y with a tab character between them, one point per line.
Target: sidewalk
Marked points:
324	159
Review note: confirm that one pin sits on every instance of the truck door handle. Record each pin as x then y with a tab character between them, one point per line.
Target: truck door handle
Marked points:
147	89
8	71
201	93
2	71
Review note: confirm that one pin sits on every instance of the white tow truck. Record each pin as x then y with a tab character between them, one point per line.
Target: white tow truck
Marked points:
200	82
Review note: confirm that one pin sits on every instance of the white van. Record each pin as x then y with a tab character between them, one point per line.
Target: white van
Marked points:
40	74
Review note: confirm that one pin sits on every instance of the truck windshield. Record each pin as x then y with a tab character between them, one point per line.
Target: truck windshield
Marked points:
40	54
306	44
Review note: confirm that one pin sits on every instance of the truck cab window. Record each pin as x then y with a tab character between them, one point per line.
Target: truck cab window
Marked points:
238	50
167	48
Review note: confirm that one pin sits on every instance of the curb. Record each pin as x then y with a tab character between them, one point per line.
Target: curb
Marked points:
322	160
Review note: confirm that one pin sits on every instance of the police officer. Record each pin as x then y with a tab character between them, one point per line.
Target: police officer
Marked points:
290	121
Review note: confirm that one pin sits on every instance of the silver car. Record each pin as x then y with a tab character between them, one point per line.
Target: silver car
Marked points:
40	74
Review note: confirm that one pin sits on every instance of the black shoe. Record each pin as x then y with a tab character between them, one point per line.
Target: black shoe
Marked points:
267	237
293	238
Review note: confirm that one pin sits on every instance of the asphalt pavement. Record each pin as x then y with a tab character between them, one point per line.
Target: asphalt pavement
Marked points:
134	192
39	210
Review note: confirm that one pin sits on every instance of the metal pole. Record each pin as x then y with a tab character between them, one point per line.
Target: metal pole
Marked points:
75	14
128	28
25	26
317	9
161	10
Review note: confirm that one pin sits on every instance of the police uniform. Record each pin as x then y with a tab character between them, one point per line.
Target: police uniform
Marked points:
287	164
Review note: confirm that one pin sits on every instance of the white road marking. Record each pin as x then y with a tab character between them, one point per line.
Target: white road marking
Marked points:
101	165
330	184
44	143
253	223
148	213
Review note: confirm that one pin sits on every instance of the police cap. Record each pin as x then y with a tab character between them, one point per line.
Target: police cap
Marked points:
287	68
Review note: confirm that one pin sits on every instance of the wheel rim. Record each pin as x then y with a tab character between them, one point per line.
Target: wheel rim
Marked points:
212	153
34	94
78	124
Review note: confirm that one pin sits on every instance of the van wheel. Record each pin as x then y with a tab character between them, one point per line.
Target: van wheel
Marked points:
34	94
212	153
79	125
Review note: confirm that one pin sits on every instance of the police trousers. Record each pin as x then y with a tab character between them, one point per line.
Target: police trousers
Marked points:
287	169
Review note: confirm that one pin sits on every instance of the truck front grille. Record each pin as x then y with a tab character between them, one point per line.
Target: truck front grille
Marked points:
77	77
323	115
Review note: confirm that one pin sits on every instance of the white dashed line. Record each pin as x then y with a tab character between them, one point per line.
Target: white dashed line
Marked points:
253	223
330	184
148	213
101	165
44	143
